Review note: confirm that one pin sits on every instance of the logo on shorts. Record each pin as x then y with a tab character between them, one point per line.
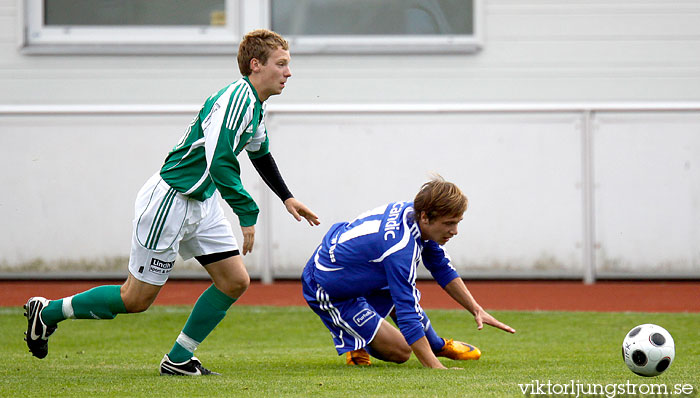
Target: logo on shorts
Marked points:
160	267
363	316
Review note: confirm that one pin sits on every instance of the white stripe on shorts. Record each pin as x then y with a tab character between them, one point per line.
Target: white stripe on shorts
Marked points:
326	305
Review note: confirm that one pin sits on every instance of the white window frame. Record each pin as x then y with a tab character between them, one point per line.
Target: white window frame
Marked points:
38	38
406	44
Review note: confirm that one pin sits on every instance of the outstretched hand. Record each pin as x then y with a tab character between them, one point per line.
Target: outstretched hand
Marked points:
482	317
299	210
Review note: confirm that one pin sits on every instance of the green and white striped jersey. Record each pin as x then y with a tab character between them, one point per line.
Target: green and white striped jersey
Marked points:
205	158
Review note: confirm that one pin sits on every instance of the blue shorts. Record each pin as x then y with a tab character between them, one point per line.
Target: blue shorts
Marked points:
353	322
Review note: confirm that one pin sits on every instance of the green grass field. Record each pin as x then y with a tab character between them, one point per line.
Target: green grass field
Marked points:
281	352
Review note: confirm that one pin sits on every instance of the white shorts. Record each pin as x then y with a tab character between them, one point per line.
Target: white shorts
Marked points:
166	223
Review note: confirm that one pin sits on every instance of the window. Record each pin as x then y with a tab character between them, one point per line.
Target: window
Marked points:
378	26
216	26
131	26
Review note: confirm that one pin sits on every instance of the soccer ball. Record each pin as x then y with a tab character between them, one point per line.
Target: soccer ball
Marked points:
648	350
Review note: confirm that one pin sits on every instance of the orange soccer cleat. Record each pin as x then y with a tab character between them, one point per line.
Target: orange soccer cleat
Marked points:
458	350
358	357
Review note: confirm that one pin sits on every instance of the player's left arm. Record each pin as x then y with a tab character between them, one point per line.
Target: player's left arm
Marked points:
461	294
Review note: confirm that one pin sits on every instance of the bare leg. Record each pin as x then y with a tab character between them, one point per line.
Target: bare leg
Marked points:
229	276
138	296
389	344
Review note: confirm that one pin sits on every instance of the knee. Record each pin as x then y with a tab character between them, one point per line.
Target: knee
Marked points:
136	300
397	354
136	304
234	286
401	355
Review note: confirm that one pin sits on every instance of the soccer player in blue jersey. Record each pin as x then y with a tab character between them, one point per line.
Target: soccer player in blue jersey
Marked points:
365	270
177	211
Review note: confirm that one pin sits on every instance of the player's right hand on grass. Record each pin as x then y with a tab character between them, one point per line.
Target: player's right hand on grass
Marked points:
482	317
248	238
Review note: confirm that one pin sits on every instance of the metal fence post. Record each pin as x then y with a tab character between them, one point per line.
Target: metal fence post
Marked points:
588	197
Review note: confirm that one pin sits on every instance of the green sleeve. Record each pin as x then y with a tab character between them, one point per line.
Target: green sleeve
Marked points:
225	172
264	149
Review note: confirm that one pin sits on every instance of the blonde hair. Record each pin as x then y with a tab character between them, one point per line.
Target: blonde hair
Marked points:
439	198
258	44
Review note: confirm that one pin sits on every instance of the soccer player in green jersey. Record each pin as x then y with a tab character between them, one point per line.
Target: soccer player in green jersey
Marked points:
178	211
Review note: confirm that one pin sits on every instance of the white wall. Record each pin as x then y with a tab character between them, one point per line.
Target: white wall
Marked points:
74	178
512	167
539	50
68	181
647	174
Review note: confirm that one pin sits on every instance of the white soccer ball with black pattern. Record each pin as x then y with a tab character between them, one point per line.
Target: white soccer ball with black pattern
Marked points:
648	350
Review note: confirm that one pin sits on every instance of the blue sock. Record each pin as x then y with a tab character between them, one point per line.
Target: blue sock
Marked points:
436	342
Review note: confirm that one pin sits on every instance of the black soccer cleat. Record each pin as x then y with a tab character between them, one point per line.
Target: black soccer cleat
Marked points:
191	367
37	334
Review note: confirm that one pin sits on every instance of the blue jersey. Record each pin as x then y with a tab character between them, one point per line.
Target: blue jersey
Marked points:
380	249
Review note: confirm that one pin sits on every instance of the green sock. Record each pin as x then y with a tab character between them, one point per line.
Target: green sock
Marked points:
209	310
102	302
53	313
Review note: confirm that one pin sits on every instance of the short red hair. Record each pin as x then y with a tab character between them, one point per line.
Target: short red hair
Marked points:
439	198
258	44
